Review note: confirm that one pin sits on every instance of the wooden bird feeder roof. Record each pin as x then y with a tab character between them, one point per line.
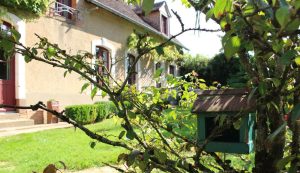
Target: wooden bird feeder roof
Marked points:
224	100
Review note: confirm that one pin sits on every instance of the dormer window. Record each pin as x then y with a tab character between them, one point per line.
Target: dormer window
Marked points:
165	28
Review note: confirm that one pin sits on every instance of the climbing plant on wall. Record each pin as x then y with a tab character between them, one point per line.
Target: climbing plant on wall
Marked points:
25	8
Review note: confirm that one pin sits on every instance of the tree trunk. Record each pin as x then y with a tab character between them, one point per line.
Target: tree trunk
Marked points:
295	127
268	153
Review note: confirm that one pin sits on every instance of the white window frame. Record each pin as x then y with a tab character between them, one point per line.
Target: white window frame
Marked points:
126	63
102	42
20	69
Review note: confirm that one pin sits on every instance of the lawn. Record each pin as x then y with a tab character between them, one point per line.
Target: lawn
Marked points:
32	152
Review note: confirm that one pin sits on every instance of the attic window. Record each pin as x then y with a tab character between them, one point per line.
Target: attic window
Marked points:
165	25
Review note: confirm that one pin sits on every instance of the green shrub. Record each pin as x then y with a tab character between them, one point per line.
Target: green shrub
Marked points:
87	114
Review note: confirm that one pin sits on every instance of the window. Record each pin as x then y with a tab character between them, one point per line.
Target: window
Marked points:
4	67
165	25
64	8
132	77
172	70
158	66
103	58
4	61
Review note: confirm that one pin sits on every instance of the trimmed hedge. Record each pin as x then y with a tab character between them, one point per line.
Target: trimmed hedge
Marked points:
90	113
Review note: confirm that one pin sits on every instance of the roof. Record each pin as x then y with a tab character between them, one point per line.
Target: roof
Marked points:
124	11
224	100
157	6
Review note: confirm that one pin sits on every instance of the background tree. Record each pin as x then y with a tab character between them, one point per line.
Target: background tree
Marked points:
161	136
216	70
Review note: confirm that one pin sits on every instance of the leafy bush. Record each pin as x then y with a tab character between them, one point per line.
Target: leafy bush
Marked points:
90	113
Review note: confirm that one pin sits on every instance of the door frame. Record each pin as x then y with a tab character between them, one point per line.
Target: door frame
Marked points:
19	61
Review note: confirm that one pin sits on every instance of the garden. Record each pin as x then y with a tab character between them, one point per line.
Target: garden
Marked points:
154	129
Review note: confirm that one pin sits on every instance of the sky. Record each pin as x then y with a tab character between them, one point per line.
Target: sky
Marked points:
203	43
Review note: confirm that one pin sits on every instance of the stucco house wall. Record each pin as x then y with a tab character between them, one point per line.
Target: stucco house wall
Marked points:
43	82
38	81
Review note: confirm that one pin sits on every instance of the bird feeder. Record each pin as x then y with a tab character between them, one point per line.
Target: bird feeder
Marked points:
211	105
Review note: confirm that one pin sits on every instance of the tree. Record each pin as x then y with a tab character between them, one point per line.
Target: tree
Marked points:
218	69
268	30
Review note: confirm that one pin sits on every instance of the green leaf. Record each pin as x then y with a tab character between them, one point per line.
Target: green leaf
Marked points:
93	144
16	35
158	73
284	161
130	134
276	81
297	60
7	45
173	114
84	86
293	26
297	5
209	14
287	57
122	134
27	58
237	124
221	7
231	46
34	51
103	94
51	51
131	114
161	156
160	50
122	156
283	15
249	9
147	6
262	88
272	136
295	112
94	92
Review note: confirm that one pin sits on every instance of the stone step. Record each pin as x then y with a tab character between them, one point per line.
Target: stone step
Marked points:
9	115
6	123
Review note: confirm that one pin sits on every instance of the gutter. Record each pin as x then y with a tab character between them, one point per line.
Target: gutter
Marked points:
97	3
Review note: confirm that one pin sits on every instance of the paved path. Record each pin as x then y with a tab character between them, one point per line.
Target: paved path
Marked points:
105	169
31	129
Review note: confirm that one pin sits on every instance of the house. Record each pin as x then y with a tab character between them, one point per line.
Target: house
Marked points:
97	26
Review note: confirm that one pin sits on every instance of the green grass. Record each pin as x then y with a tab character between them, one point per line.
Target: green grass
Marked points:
33	152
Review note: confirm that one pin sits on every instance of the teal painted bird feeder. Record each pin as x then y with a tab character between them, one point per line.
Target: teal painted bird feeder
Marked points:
220	104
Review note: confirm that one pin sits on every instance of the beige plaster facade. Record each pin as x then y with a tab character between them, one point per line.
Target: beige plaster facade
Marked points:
94	27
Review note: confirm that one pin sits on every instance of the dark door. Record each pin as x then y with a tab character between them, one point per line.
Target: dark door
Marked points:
7	77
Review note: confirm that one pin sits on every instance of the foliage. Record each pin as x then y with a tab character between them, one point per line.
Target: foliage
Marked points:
25	7
87	114
169	52
51	146
218	69
266	30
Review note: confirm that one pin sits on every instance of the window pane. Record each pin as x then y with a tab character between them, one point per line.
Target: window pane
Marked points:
4	70
172	70
157	65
